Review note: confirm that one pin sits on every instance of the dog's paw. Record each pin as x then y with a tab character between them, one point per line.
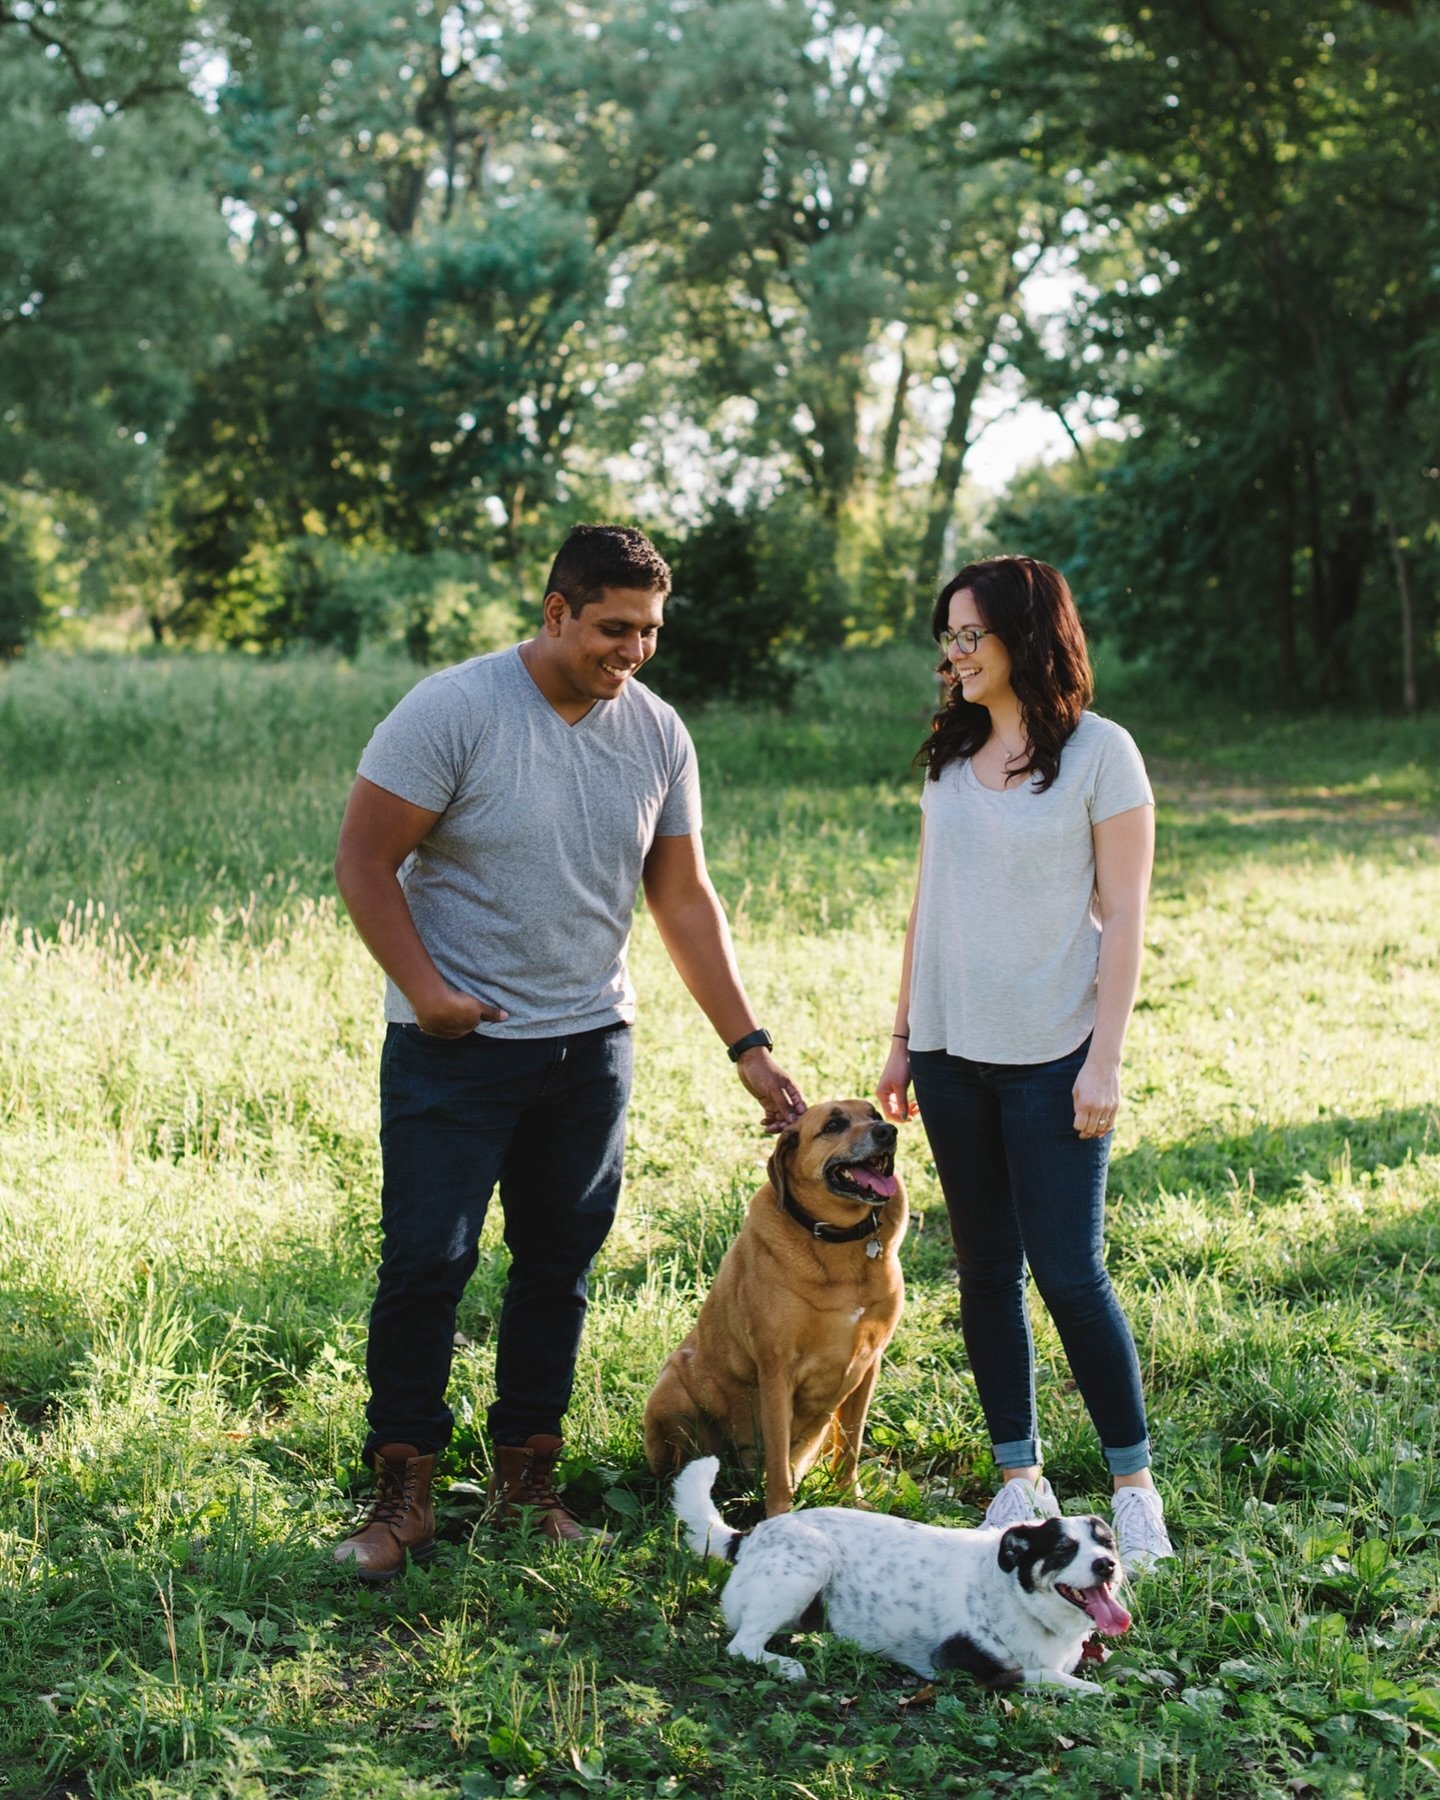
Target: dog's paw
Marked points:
1075	1684
754	1651
1056	1678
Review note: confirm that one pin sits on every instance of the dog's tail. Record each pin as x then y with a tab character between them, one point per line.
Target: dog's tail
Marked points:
705	1531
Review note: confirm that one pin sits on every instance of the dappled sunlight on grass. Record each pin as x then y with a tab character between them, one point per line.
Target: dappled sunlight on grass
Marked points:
188	1228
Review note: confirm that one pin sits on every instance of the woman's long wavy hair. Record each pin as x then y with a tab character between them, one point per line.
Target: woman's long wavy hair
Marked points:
1029	607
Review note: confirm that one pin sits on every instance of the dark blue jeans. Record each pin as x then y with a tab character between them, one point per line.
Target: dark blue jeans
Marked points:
1021	1186
543	1117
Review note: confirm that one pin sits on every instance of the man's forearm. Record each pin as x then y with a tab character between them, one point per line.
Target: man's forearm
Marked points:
376	903
697	938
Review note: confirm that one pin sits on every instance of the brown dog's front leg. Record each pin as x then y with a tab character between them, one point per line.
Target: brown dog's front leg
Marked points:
850	1426
776	1418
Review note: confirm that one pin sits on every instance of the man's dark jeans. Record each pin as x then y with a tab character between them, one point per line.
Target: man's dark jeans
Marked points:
1021	1185
543	1117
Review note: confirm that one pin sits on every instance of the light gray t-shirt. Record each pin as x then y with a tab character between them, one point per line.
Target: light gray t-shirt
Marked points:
524	890
1007	940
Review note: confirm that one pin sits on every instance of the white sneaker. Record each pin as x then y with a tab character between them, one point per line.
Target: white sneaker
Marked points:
1020	1500
1140	1529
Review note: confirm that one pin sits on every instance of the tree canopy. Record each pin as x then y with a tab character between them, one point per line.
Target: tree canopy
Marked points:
300	306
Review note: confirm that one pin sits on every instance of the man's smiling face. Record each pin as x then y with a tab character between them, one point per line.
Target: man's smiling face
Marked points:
597	651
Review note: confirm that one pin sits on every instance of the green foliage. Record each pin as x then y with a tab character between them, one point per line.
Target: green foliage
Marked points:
115	285
486	253
1143	538
750	590
188	1232
20	605
430	279
1258	317
442	606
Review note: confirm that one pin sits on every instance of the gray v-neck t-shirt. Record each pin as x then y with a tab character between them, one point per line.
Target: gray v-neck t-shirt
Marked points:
1007	939
524	889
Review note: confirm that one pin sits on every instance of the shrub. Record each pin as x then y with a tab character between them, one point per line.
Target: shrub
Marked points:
19	598
443	605
752	589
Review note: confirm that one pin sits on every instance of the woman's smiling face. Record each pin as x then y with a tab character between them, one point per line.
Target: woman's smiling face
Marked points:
981	674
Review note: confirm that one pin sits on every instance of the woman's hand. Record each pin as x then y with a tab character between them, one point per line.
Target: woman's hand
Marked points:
893	1089
1096	1095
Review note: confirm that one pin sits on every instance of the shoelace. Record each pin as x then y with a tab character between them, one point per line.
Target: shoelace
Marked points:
537	1485
394	1497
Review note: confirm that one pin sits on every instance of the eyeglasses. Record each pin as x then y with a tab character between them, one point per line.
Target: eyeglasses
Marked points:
967	637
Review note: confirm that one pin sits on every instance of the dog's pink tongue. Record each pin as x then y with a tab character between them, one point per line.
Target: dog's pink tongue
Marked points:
1107	1612
877	1184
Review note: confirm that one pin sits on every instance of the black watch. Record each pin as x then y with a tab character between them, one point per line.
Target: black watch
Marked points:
752	1040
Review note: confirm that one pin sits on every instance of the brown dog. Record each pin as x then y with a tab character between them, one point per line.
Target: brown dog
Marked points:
783	1358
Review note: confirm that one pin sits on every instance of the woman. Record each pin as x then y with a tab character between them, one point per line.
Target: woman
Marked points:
1022	961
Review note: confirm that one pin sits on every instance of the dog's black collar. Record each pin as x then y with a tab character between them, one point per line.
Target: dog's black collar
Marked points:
831	1234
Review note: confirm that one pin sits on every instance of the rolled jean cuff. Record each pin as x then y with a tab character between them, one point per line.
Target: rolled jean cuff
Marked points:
1024	1453
1131	1461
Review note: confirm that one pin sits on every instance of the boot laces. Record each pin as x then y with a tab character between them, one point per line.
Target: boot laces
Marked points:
537	1485
394	1495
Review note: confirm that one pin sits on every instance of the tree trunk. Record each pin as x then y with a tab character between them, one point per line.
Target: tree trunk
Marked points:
890	447
1285	581
965	385
1409	690
1345	569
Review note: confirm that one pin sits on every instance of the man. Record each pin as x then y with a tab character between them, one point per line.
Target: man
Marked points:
503	821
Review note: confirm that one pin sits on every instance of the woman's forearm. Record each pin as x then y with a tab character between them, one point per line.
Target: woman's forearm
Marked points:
1124	853
1117	983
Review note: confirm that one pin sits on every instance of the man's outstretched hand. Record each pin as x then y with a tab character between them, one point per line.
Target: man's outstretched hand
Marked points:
772	1087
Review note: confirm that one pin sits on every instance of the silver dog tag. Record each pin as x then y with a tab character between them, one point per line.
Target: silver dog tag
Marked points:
872	1249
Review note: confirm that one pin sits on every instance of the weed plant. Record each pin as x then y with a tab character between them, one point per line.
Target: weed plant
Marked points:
188	1232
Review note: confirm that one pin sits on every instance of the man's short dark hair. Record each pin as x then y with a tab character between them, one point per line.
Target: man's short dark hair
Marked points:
596	557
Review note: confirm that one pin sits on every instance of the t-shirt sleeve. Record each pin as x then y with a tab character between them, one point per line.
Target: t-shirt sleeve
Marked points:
680	814
421	749
1121	783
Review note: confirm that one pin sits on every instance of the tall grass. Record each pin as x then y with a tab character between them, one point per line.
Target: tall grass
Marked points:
187	1238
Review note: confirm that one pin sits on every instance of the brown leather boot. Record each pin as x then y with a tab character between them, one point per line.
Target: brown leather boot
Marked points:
524	1478
400	1517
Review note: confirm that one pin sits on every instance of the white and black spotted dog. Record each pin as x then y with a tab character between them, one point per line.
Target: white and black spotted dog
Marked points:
1010	1607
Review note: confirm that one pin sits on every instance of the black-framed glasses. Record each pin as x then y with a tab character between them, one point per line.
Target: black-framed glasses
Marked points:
967	637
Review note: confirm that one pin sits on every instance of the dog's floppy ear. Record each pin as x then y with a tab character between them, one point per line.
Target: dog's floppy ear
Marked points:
778	1167
1015	1546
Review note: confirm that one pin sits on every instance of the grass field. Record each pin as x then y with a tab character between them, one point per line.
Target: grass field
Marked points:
187	1237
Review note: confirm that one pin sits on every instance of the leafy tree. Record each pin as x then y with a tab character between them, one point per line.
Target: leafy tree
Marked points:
293	301
750	589
1257	236
115	283
435	258
20	604
842	279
